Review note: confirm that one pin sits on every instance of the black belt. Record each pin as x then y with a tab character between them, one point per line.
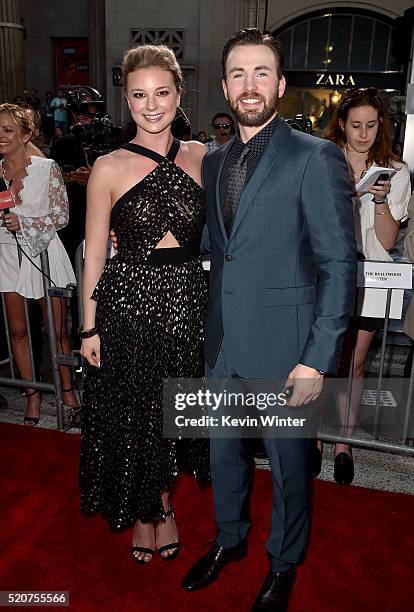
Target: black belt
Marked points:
171	256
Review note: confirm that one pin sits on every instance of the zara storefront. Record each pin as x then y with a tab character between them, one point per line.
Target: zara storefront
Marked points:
327	53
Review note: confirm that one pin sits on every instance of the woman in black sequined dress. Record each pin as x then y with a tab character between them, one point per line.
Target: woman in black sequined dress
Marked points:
143	311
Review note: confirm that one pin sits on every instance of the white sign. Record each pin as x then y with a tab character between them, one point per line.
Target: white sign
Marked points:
374	278
373	302
384	275
7	237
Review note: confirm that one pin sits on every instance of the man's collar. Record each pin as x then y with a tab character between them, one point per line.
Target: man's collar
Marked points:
266	131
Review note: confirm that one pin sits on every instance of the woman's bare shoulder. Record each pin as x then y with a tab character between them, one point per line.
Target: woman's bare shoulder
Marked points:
110	163
194	149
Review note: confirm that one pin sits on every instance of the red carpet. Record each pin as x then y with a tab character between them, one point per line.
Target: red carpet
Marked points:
361	554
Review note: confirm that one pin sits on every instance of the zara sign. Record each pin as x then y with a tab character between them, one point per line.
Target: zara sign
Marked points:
325	78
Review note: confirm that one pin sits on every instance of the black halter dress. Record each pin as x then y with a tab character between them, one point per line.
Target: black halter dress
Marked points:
150	315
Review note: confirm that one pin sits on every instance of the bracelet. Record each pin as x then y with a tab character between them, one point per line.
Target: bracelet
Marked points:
384	201
87	333
384	213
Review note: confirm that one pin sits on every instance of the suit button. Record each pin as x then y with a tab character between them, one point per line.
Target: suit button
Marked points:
228	258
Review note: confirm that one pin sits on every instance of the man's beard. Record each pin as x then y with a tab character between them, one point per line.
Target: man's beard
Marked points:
255	118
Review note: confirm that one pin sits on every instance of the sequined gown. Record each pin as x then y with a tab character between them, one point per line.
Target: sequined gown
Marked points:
150	315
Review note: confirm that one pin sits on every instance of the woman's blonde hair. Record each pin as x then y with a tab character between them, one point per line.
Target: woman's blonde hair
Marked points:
21	117
152	56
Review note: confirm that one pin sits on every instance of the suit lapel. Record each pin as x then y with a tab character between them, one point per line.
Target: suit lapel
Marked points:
226	149
267	161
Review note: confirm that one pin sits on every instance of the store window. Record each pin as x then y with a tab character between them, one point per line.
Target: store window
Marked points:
327	53
341	41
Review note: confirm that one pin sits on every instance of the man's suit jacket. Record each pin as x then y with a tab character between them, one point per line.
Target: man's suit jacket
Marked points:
282	285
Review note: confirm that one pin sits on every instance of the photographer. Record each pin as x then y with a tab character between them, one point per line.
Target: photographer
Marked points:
60	115
91	135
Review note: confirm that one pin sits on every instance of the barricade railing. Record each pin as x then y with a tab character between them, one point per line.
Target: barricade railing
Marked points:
57	358
380	294
388	281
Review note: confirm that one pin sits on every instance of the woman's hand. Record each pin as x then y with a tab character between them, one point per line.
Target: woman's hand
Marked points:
381	190
91	350
114	240
11	222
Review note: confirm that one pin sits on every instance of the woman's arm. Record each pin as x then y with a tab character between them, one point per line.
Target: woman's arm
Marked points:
386	227
39	231
409	234
388	215
98	215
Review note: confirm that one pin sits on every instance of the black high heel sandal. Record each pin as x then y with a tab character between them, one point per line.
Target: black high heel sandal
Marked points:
71	388
175	546
73	413
145	550
33	421
142	549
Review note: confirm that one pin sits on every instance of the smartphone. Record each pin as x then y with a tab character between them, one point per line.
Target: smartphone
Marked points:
382	177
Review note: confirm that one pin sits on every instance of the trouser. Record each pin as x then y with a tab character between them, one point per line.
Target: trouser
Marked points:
231	471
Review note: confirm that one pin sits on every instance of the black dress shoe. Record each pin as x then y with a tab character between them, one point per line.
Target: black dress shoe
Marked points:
275	592
315	461
344	469
207	569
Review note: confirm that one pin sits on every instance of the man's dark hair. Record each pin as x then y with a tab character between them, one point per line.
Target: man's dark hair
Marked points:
254	36
217	115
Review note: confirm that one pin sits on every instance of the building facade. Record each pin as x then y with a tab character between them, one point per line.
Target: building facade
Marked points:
329	46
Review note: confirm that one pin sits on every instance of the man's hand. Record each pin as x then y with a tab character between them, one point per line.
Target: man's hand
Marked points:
306	384
114	240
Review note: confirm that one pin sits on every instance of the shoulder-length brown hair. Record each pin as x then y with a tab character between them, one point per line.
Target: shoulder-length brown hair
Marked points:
380	153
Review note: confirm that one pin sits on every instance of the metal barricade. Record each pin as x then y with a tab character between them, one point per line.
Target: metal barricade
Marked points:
57	358
400	444
399	393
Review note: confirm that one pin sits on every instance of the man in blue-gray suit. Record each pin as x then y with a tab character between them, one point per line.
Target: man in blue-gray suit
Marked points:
282	281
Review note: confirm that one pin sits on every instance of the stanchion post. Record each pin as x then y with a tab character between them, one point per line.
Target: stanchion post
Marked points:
52	339
7	331
382	362
79	280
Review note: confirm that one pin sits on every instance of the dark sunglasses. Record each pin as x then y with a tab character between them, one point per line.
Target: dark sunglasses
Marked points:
224	126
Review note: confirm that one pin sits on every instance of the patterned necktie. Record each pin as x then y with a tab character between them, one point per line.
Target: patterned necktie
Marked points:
237	179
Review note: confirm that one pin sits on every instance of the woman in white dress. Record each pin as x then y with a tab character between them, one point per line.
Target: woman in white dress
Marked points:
359	126
39	208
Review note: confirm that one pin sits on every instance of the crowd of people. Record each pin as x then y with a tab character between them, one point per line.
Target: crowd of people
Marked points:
279	215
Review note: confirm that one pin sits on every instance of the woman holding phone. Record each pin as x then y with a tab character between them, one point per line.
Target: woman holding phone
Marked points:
359	126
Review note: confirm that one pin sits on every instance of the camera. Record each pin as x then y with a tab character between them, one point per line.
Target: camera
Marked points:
93	127
301	123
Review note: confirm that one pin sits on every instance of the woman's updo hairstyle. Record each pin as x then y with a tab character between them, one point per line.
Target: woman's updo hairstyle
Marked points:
151	56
